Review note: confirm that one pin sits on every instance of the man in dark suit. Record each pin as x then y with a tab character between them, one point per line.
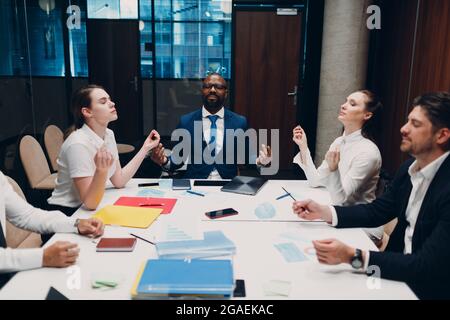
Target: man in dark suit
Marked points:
418	251
211	125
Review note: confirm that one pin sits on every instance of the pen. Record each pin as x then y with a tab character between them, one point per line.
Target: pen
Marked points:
290	195
142	239
151	204
196	193
283	196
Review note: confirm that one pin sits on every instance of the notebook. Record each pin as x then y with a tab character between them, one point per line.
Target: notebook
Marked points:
166	204
203	278
244	185
132	217
181	184
214	244
116	244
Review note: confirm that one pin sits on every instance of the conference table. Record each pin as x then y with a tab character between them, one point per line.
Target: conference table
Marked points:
258	259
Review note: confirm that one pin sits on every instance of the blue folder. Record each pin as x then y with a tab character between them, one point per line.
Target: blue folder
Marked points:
214	244
179	277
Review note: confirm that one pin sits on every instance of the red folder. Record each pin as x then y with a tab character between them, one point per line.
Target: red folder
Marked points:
166	204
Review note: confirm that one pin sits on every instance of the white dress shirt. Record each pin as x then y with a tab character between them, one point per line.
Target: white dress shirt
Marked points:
76	160
21	214
214	175
355	181
420	179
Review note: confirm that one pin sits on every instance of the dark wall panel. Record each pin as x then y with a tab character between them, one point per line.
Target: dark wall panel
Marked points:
409	56
431	71
389	69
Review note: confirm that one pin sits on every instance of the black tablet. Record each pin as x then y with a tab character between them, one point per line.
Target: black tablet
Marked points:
210	183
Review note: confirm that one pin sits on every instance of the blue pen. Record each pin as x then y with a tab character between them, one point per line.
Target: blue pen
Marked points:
196	193
283	196
289	194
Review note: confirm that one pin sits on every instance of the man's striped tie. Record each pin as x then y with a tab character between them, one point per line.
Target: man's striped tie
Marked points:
212	140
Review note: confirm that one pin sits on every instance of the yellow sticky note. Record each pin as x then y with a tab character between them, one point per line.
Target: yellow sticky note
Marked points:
133	217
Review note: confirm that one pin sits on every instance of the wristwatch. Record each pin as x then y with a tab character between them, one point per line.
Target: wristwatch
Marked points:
357	259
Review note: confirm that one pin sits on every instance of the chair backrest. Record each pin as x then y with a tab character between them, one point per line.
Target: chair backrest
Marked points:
33	160
16	237
53	140
383	183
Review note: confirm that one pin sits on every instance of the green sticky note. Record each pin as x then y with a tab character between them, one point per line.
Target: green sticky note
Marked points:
106	283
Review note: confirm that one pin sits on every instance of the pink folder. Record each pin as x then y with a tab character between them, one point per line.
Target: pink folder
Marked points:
166	204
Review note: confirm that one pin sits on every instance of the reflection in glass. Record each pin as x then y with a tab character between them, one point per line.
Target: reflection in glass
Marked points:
78	47
146	49
112	9
192	49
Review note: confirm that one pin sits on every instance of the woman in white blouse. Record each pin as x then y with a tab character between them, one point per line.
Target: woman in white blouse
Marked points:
352	164
89	156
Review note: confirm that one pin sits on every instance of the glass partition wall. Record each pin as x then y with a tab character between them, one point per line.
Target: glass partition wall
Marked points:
44	58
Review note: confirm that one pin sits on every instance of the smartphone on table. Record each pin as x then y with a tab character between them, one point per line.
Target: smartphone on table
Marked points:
216	214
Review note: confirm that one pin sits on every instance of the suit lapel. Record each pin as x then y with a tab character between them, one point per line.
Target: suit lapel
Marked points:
441	178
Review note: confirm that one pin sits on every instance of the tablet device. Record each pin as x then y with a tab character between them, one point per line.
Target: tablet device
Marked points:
210	183
244	185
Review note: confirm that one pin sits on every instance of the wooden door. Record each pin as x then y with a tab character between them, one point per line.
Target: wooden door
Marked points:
266	69
114	62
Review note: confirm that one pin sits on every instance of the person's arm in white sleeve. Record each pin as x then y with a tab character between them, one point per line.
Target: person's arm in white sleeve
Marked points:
23	215
363	166
316	177
12	260
334	218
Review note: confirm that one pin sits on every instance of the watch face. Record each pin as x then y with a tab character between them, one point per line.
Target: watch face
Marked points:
356	263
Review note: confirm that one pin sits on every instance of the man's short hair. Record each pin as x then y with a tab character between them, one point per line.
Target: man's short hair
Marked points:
437	108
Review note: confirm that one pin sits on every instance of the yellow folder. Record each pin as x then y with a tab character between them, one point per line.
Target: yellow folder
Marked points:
134	294
133	217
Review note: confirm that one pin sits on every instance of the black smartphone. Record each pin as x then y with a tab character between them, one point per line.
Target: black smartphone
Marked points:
150	184
216	214
239	291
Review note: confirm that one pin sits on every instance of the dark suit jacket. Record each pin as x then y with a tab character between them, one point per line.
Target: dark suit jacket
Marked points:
426	269
201	171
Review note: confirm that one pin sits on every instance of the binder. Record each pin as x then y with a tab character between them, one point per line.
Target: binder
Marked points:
127	216
175	278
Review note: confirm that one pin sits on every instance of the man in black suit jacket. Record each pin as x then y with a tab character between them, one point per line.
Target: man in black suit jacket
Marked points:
418	252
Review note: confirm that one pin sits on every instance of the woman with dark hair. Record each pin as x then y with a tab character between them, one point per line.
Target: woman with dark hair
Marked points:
89	155
352	164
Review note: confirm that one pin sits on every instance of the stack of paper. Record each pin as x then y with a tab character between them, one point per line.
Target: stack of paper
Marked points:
214	244
178	278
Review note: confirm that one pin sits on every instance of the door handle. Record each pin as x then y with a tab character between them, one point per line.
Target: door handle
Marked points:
294	94
134	82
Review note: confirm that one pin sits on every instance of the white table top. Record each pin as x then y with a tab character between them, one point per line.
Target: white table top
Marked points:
257	261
